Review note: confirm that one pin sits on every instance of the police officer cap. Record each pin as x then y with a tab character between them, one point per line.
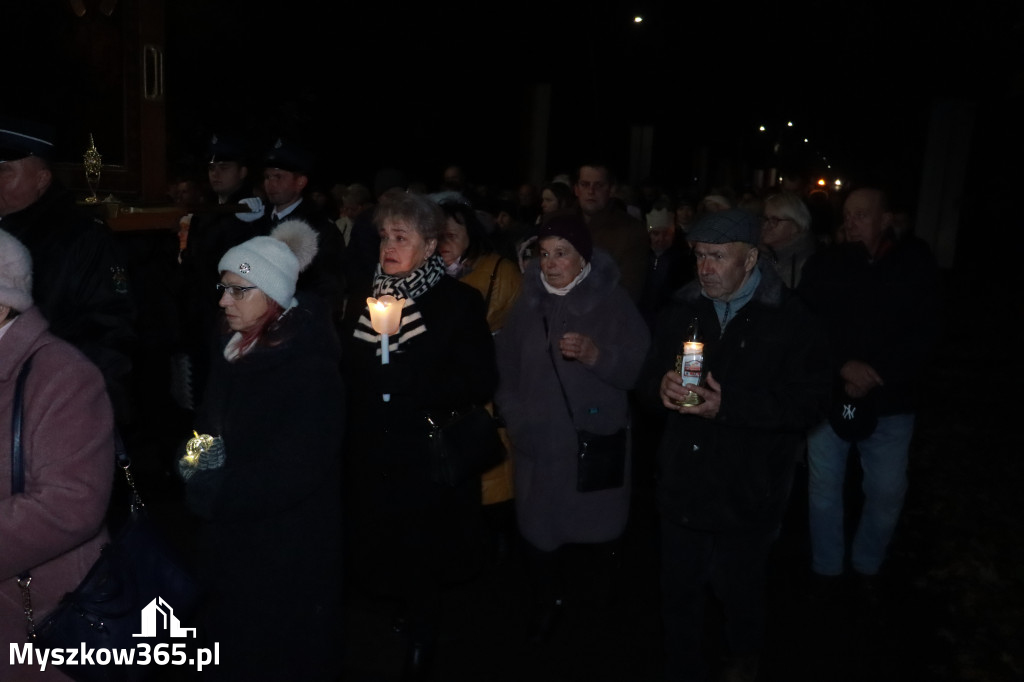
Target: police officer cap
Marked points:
290	157
722	227
226	147
19	139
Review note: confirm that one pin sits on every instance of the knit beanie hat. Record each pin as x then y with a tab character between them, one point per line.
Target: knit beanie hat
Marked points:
273	263
15	273
570	227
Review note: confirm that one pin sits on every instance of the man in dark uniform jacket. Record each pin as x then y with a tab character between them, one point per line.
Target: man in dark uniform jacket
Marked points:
286	171
80	283
210	235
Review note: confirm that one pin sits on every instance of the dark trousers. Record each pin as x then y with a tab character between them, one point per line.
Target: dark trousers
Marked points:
591	571
733	565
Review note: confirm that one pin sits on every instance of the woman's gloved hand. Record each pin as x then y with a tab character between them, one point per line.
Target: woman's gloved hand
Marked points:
202	453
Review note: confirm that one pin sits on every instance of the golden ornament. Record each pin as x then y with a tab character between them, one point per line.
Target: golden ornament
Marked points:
197	446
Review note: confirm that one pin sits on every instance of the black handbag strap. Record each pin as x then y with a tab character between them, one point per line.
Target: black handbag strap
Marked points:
18	463
17	460
558	377
135	503
17	449
490	287
18	472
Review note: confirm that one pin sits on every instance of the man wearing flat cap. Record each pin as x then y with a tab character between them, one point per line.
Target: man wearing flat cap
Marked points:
726	465
80	283
286	171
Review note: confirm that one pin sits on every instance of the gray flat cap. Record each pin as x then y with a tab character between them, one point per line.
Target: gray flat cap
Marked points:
722	227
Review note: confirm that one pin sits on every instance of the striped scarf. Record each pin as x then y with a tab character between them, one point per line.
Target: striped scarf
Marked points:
410	287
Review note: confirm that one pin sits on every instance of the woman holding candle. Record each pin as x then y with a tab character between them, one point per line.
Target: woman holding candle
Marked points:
265	485
571	349
408	534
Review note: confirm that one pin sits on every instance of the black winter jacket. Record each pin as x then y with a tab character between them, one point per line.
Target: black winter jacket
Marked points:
271	516
734	472
80	282
884	312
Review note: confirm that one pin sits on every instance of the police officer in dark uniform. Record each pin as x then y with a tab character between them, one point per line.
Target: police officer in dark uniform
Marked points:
80	282
210	234
286	171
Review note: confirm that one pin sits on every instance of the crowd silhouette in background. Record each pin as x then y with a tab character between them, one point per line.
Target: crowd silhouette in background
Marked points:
560	305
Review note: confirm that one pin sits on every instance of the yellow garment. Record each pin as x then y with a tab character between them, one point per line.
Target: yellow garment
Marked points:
497	485
506	286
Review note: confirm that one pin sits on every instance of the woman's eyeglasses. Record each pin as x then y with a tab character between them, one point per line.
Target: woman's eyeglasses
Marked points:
774	220
237	292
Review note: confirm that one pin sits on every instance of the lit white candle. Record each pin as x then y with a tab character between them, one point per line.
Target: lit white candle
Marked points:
385	318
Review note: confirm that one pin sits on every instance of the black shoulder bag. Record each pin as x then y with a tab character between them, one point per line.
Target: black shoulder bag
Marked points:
600	458
465	443
137	569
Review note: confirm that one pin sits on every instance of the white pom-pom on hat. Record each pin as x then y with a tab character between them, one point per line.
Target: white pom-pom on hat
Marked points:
300	238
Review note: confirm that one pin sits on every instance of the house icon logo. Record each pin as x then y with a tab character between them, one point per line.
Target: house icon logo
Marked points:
158	615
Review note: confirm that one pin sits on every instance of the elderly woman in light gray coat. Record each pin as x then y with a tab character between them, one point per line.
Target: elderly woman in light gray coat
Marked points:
570	351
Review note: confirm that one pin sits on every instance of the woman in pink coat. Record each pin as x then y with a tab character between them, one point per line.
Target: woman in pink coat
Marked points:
55	528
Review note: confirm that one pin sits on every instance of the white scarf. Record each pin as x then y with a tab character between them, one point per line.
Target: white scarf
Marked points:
568	287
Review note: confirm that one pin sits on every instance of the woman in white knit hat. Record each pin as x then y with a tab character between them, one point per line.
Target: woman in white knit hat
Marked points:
263	473
54	529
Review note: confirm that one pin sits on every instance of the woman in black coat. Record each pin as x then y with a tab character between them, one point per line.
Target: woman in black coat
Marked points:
265	480
408	533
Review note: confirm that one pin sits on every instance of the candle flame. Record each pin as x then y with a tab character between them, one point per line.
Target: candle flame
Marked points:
385	313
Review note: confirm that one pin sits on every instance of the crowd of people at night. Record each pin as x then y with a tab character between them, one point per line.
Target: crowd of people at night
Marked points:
561	307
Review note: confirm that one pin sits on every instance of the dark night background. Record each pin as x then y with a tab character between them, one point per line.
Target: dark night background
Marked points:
421	85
